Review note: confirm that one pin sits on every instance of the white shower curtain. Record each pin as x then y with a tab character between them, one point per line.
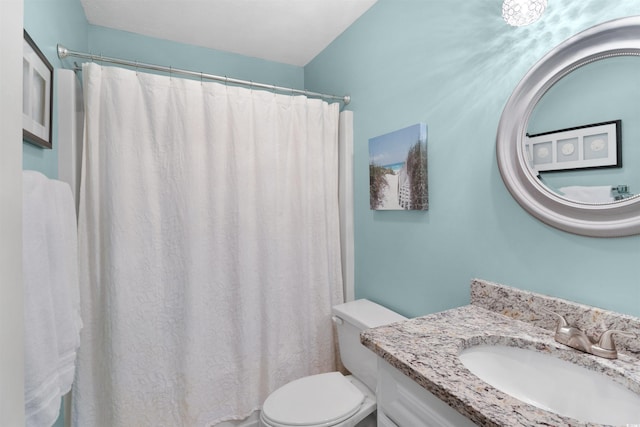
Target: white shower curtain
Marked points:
210	252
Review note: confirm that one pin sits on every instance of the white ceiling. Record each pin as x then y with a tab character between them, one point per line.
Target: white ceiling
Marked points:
286	31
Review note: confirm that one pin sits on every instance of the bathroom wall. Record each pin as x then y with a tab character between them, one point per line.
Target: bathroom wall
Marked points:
63	21
49	23
134	47
453	64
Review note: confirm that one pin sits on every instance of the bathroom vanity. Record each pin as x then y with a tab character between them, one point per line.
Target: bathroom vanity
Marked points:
402	402
423	382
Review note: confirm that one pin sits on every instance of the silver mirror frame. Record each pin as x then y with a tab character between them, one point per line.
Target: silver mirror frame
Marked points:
619	37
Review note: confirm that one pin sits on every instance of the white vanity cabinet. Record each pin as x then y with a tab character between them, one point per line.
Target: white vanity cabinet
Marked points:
403	403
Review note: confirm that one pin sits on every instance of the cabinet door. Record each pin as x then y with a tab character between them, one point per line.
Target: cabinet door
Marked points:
407	404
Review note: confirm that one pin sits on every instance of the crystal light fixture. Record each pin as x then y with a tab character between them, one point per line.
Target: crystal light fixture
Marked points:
522	12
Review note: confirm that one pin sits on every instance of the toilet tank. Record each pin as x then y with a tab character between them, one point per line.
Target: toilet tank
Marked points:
352	318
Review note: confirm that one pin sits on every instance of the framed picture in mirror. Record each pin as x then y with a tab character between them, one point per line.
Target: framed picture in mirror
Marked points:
37	95
597	145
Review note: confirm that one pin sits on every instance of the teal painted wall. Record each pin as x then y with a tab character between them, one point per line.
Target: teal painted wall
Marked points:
453	65
49	23
134	47
63	21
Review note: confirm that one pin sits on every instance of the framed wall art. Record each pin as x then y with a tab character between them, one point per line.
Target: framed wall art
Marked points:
37	95
592	146
398	170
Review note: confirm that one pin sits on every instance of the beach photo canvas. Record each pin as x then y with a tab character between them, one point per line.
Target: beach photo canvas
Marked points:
398	170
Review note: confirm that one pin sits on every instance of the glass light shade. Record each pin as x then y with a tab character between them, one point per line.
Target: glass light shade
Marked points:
522	12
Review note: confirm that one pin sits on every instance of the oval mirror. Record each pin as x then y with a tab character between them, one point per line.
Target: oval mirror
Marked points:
575	132
570	156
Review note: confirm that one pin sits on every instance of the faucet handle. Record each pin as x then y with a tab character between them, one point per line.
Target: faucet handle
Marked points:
606	339
562	322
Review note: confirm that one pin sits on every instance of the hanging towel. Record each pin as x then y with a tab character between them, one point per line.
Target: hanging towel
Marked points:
594	194
51	295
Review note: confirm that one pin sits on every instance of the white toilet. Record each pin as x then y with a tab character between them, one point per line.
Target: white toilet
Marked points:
333	399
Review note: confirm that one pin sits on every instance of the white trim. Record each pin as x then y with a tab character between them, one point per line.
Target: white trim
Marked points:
346	204
11	295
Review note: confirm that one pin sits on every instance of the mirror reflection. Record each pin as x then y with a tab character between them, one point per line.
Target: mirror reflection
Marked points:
583	136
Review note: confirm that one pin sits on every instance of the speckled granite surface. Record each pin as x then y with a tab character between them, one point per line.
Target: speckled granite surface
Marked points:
525	306
426	349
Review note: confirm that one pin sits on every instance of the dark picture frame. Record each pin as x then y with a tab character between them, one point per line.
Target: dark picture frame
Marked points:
37	95
593	146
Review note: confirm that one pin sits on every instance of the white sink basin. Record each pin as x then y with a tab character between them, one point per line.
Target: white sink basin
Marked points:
553	384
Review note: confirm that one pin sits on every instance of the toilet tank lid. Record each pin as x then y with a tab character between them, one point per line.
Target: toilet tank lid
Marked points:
365	314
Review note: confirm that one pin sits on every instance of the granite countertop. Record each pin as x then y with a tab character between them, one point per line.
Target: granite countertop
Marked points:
426	350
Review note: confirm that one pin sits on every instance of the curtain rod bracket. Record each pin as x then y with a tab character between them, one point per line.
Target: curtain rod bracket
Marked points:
63	52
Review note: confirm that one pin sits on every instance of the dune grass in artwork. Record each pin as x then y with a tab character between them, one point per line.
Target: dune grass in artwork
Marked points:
398	170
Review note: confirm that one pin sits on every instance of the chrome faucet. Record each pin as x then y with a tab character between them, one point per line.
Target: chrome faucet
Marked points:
575	338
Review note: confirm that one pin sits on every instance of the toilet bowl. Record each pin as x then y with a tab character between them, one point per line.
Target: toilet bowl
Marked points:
333	399
319	400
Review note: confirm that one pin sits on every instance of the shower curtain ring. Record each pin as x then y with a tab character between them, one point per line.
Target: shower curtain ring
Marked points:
200	77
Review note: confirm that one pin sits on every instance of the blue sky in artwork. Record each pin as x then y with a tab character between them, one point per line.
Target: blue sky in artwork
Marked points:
393	147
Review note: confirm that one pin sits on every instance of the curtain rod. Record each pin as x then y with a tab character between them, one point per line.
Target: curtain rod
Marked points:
63	52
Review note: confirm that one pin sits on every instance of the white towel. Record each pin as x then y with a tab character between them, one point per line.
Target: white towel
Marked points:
594	194
63	246
51	295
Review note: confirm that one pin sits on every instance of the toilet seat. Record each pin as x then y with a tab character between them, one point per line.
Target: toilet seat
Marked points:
317	401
